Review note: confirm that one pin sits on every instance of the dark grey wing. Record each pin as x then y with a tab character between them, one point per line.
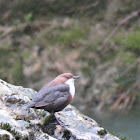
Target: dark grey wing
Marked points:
53	98
49	91
47	94
46	97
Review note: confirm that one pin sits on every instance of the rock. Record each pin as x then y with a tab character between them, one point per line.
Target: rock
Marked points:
16	123
79	126
5	135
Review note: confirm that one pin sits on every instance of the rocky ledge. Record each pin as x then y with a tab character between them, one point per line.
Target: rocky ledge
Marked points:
32	124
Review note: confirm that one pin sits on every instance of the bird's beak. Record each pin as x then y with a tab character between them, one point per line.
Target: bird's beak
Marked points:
76	77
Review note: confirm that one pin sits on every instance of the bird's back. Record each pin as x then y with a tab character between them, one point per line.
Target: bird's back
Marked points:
49	95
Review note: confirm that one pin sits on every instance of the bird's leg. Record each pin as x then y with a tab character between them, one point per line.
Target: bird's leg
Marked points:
57	121
53	116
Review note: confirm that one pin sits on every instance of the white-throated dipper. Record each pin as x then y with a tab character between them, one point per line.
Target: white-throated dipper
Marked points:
55	95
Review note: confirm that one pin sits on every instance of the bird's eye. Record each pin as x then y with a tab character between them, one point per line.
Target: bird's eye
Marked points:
67	77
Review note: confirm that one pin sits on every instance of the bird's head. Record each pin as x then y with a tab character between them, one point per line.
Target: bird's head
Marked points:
66	78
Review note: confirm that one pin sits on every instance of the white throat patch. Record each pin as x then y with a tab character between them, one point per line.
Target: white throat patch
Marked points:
70	82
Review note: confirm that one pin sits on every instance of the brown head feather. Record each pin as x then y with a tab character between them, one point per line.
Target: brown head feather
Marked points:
63	78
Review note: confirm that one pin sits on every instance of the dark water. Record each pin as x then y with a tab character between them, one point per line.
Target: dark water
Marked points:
122	123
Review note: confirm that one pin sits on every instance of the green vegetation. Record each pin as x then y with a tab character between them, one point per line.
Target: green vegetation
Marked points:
67	134
28	17
8	127
46	120
71	35
50	8
11	64
132	41
48	124
5	137
118	135
127	57
102	132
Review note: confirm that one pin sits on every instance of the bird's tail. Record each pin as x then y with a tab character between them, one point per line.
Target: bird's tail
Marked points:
28	105
24	109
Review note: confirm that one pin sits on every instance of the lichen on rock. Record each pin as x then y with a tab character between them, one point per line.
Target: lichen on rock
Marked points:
16	123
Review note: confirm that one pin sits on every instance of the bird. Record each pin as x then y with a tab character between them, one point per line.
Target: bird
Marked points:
56	95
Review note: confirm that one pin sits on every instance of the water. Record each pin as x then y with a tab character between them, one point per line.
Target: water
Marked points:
122	123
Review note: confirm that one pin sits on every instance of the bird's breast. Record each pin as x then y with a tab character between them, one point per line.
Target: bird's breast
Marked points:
70	82
72	91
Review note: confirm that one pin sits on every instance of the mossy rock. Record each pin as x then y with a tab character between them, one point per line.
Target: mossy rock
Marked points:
102	132
6	126
5	137
48	125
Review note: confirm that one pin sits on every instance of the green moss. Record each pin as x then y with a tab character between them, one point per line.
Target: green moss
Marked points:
46	119
5	137
49	124
18	136
66	134
102	132
6	126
